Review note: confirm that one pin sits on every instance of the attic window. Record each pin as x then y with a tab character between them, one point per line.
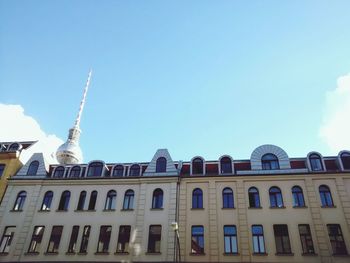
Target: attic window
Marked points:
95	169
59	172
315	162
345	158
270	162
134	170
161	165
33	168
14	147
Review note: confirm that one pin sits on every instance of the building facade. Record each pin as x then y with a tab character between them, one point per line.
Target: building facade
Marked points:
270	208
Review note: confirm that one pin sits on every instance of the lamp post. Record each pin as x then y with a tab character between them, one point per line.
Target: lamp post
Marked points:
175	227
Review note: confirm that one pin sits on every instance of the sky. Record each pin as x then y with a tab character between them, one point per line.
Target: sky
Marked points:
201	77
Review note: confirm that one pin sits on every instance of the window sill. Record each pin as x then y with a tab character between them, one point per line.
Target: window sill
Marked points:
70	253
157	209
127	210
101	253
82	253
83	211
121	253
51	253
153	253
258	207
197	254
108	210
231	254
325	206
260	254
43	211
228	208
284	254
300	207
309	254
31	253
66	210
277	207
200	208
16	211
4	254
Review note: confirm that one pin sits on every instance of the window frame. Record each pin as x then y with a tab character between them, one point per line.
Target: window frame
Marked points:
231	239
197	166
270	161
326	196
197	238
227	198
95	169
128	202
47	201
313	165
226	167
345	160
259	239
154	245
64	201
54	240
20	201
111	200
306	241
104	239
59	172
336	242
75	172
252	197
92	201
33	168
85	239
81	201
2	168
276	198
123	239
282	238
36	239
197	198
6	239
157	198
116	169
73	240
133	168
298	196
161	165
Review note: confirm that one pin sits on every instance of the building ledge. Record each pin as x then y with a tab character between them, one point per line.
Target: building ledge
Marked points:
197	254
228	208
260	254
82	253
231	254
101	253
284	254
70	253
153	253
51	253
109	210
127	210
157	209
16	211
31	253
43	211
326	206
277	207
309	254
258	207
121	253
300	207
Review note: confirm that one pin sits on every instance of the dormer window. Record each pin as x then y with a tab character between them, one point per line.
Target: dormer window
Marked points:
75	171
315	162
197	166
33	168
95	169
59	172
161	165
134	170
14	147
345	159
118	170
270	162
226	165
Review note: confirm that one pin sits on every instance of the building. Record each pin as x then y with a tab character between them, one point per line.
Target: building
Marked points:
10	163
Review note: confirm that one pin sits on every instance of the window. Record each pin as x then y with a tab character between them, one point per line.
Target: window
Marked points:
14	147
118	170
128	200
197	240
326	196
227	198
95	169
282	239
33	168
46	204
64	201
73	240
258	239
75	172
85	239
111	200
270	162
21	198
92	202
155	233
254	199
315	162
59	172
135	170
197	166
337	240
81	201
298	197
34	246
2	168
345	159
230	239
104	238
276	199
161	165
55	239
306	239
226	165
197	198
157	200
123	239
6	239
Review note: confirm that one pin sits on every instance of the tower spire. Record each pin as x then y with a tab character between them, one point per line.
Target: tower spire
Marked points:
70	152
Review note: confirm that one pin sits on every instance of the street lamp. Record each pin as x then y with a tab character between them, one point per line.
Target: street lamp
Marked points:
175	227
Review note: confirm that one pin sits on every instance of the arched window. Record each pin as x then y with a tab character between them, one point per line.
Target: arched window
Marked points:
46	204
81	201
161	165
254	199
64	201
75	171
270	162
128	203
135	170
197	166
197	198
95	169
226	165
276	199
227	198
21	198
157	199
326	196
298	196
33	168
14	147
92	202
111	200
118	170
59	172
345	159
315	162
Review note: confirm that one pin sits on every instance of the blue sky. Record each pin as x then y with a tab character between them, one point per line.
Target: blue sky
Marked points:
197	77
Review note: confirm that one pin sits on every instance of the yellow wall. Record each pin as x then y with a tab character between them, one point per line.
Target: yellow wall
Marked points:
12	165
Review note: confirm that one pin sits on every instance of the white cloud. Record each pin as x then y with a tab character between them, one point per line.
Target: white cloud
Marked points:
16	126
335	130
